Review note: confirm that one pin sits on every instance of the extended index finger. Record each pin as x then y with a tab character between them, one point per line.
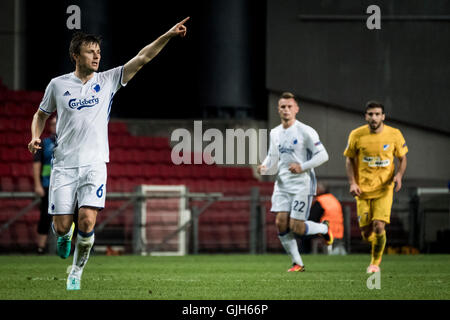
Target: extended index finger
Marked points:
184	21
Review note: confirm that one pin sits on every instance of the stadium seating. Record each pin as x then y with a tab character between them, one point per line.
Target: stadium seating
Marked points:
134	160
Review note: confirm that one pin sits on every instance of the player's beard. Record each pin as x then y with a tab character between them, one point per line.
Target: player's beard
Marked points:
88	68
375	125
91	68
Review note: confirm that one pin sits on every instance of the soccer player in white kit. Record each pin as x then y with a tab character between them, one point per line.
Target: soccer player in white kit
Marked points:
82	100
295	150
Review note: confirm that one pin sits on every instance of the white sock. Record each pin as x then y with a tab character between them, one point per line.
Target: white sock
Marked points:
290	245
83	247
315	228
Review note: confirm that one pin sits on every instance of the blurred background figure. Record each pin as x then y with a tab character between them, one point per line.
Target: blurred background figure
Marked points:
327	207
41	175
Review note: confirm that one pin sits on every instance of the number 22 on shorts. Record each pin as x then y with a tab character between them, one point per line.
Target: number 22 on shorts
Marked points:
299	205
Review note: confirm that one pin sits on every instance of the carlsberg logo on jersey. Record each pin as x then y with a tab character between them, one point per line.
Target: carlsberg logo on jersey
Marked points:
285	149
83	103
288	149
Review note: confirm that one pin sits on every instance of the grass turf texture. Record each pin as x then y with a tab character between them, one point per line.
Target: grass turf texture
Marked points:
223	277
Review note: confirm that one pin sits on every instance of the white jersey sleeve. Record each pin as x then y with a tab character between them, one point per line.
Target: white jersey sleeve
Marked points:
318	153
48	104
115	76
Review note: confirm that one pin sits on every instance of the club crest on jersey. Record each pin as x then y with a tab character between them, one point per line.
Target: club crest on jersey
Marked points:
385	147
95	87
83	103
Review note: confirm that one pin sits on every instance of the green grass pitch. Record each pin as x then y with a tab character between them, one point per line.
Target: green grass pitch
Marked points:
225	277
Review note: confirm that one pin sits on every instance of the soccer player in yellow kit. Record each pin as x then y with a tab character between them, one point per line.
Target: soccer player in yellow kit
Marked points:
370	167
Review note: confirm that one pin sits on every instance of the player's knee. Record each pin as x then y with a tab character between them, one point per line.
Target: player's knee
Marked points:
86	219
281	222
86	222
378	227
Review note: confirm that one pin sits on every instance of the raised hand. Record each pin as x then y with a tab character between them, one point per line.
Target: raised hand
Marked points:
179	29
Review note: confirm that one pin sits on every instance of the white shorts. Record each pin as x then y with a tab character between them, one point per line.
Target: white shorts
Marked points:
299	205
87	185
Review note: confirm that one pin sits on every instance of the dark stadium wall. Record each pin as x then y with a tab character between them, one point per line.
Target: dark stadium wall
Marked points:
48	37
428	155
12	40
216	71
321	52
231	57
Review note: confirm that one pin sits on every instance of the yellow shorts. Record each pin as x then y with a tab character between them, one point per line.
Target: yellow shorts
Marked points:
369	210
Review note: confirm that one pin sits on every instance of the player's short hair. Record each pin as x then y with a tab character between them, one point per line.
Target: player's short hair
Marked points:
289	95
374	104
77	41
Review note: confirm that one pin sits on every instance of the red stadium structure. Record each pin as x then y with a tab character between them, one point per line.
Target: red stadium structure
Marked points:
134	160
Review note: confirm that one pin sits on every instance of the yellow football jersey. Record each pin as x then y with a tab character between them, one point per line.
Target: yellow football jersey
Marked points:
375	153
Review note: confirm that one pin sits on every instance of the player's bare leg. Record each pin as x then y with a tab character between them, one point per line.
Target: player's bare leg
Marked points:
62	223
297	226
63	227
83	246
282	221
41	243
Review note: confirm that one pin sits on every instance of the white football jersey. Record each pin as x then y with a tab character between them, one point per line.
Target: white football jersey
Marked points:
297	144
83	115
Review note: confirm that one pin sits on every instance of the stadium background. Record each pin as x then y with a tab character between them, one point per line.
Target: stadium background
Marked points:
229	70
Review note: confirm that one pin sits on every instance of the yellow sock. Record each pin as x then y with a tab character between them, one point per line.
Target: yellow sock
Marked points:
370	239
378	244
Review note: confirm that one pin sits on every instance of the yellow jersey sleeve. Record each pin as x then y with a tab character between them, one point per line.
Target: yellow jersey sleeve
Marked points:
400	145
350	151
